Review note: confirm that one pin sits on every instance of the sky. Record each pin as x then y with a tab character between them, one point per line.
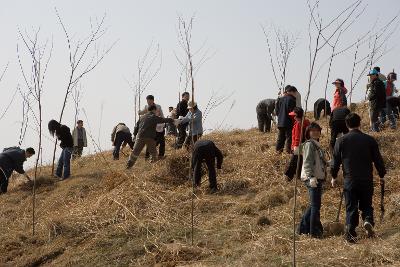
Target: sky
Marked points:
239	63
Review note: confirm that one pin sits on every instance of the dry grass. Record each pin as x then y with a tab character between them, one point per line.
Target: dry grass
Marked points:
106	217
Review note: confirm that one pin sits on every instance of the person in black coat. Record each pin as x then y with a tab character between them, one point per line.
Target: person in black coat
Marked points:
265	109
394	102
206	151
357	153
181	112
285	105
63	134
377	99
13	159
319	105
337	123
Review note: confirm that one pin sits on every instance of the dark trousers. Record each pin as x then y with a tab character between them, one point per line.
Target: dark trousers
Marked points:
375	113
191	140
3	182
358	196
64	163
160	141
77	152
120	138
337	127
212	175
291	168
389	111
181	134
284	135
264	122
311	221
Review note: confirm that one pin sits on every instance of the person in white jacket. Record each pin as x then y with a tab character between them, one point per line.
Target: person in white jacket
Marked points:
313	174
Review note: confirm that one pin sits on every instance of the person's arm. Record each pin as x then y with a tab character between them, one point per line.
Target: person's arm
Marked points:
220	157
372	93
143	111
163	120
186	119
113	134
378	160
308	159
337	159
197	116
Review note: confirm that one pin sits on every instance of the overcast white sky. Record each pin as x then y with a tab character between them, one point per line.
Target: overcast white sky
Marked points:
231	29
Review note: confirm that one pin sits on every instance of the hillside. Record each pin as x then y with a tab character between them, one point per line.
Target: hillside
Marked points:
104	216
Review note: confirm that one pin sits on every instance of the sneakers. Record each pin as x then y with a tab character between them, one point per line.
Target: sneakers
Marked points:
350	235
369	229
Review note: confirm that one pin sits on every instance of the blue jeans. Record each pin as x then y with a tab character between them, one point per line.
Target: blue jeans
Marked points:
311	222
64	162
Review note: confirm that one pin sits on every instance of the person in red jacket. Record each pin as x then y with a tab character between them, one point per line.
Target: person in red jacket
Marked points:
297	138
339	98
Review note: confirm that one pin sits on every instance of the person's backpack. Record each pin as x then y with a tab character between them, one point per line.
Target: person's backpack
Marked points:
11	148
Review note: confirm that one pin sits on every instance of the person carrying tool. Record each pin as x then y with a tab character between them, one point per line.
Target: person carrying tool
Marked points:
357	152
12	159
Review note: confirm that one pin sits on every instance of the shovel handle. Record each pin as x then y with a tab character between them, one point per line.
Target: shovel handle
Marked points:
341	193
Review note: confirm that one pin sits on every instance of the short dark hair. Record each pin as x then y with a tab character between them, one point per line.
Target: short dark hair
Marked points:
79	121
353	120
30	151
312	126
378	69
151	108
150	97
291	89
185	93
299	112
287	87
171	107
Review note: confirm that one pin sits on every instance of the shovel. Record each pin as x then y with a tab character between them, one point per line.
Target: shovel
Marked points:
382	200
336	228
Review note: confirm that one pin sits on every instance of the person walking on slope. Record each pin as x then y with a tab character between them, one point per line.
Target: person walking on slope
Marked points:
339	97
194	118
337	123
297	140
119	135
381	77
265	109
319	105
146	135
13	159
377	99
357	152
285	105
63	134
206	151
181	112
313	174
390	92
80	139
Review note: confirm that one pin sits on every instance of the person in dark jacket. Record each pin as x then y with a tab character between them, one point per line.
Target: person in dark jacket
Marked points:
120	135
357	153
265	109
337	123
181	112
377	99
285	105
13	159
146	135
206	151
319	105
63	134
394	102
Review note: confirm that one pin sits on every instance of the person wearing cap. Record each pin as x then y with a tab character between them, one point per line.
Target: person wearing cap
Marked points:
181	112
377	99
160	130
313	174
319	105
285	105
206	151
339	97
13	159
389	111
194	118
80	139
146	135
381	77
265	109
337	123
297	138
357	152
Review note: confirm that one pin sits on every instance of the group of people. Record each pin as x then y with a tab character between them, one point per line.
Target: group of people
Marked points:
355	151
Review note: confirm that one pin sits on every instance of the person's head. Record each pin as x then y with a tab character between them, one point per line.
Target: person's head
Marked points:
29	152
392	77
122	124
339	83
287	87
152	109
313	131
373	74
79	123
150	100
192	106
299	113
171	109
53	126
291	90
353	121
378	69
186	96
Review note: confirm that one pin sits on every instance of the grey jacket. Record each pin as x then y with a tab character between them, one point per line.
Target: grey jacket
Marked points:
314	162
147	125
197	122
75	136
